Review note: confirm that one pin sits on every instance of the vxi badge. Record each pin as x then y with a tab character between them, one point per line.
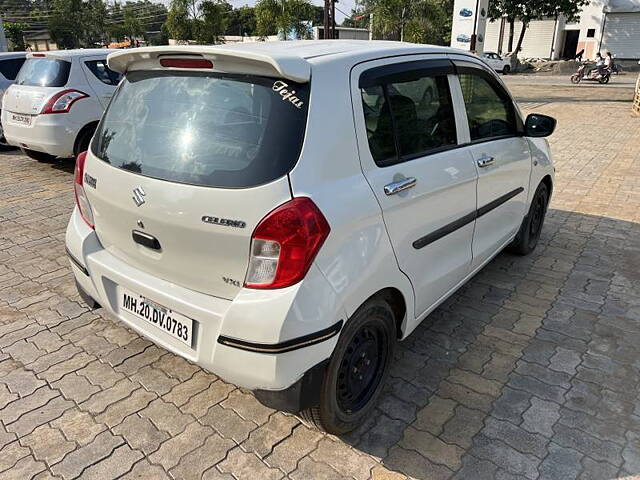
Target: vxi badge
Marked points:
225	222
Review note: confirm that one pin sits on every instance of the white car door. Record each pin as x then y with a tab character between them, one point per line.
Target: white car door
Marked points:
501	155
100	77
424	182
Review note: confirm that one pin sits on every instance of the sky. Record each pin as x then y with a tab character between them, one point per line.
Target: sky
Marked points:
344	5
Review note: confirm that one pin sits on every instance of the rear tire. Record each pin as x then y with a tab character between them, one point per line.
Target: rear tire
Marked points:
506	69
575	79
83	140
527	238
604	80
357	371
38	156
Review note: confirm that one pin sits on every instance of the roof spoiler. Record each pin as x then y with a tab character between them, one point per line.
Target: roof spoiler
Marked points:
231	60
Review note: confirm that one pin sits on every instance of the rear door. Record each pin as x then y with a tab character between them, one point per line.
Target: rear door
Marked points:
102	80
37	80
424	182
186	164
502	156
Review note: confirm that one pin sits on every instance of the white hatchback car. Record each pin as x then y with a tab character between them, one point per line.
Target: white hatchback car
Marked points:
281	213
496	62
55	104
10	64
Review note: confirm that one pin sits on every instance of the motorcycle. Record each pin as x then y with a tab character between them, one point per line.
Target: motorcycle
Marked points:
594	75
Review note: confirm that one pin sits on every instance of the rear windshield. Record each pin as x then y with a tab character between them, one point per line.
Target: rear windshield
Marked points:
217	130
44	72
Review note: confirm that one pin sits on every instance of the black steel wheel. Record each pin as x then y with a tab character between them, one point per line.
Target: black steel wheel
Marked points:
527	238
362	367
357	370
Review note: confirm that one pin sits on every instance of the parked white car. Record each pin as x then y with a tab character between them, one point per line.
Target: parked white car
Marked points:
56	102
10	64
282	213
496	62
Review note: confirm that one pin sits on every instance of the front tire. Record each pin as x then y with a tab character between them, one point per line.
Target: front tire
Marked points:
575	79
38	156
527	238
357	371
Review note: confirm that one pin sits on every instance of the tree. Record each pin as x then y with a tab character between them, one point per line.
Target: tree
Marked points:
212	24
65	23
242	21
178	21
284	17
419	21
94	14
15	35
131	24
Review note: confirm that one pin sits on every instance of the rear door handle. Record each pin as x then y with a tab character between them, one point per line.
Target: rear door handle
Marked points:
399	186
485	161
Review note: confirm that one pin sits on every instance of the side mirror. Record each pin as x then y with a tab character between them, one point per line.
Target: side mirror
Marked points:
538	125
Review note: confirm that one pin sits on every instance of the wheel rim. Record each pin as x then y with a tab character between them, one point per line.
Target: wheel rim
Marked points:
362	367
537	217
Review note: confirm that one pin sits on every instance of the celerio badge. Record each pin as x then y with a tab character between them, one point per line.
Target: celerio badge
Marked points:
138	196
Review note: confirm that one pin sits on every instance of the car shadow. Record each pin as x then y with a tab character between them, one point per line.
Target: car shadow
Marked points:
533	360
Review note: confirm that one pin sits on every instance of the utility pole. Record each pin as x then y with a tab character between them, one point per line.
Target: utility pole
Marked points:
329	19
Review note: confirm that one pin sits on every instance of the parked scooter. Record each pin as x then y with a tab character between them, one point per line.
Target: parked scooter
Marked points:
595	74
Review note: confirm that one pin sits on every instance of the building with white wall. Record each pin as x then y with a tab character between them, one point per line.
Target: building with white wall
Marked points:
604	25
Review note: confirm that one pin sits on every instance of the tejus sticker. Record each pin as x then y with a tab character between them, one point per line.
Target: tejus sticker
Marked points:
286	94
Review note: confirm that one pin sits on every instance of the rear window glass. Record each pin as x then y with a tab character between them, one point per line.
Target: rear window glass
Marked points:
10	68
206	129
44	72
102	72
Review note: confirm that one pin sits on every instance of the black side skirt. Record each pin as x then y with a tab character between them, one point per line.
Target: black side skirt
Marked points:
461	222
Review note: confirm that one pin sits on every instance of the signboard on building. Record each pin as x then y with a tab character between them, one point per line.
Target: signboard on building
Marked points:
469	24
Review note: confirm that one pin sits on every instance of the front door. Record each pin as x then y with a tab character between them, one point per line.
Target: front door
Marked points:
424	182
501	155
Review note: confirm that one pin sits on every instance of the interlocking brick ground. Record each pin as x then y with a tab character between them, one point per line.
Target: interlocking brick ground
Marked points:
532	370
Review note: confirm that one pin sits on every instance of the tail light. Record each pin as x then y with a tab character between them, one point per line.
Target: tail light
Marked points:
81	197
285	243
62	101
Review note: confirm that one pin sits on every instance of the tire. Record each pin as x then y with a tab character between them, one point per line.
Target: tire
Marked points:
604	80
527	238
83	140
38	156
575	79
506	69
365	349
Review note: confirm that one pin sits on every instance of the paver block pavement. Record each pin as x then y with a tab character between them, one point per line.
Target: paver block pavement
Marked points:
529	371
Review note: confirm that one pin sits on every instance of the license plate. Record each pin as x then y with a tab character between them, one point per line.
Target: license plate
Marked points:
173	323
21	119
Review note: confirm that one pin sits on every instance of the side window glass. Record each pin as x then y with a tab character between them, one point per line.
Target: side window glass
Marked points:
102	72
490	111
410	118
377	118
10	68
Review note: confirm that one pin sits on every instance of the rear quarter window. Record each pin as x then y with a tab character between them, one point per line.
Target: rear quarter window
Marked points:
103	73
217	130
44	72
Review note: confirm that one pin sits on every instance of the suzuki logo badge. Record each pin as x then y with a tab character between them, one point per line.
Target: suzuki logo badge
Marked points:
138	196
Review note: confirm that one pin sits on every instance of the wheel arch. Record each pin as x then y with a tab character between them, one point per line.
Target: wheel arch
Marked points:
394	297
91	126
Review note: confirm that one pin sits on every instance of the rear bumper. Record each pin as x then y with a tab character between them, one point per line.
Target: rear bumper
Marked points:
306	317
53	134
